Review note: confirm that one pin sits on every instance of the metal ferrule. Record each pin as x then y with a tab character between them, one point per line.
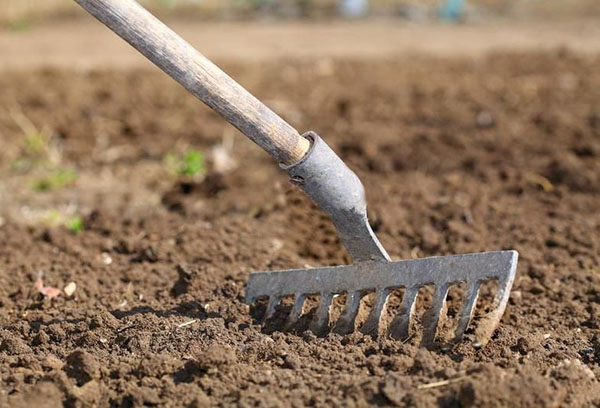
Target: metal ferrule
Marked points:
335	188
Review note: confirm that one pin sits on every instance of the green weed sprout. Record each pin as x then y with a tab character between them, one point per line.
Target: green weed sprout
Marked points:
55	180
36	144
190	164
54	218
74	224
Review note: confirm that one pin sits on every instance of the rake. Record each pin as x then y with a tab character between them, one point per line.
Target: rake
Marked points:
323	176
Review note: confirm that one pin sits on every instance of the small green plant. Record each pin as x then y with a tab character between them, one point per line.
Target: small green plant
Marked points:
190	163
54	180
74	224
55	218
35	144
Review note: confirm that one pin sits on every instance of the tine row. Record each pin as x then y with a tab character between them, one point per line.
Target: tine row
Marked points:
399	328
357	280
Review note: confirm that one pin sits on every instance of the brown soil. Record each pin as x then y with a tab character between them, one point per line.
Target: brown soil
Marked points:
456	155
88	44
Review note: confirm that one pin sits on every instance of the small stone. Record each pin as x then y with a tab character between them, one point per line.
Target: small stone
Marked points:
70	289
485	119
105	258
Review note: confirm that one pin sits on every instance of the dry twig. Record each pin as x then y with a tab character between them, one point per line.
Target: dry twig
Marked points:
441	383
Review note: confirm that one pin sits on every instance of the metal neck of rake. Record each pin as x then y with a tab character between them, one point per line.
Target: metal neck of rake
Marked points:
335	188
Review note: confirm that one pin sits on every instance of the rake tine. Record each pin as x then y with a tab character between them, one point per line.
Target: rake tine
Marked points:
400	326
321	318
273	301
345	323
371	326
432	316
296	310
488	323
467	311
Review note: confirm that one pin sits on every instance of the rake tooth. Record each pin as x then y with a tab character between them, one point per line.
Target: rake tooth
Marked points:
467	311
273	301
345	323
371	325
296	310
321	318
432	316
400	326
487	325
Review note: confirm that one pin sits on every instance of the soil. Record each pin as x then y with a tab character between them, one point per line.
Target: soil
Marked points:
85	43
457	155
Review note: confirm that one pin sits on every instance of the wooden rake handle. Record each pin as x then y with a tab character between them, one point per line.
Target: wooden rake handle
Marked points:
199	76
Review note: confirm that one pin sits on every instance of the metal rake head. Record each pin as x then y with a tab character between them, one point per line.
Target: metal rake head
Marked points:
338	191
358	279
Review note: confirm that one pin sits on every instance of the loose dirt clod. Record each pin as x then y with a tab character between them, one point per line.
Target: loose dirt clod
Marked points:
82	367
42	394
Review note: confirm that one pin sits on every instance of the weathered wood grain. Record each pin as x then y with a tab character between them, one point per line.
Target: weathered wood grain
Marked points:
200	76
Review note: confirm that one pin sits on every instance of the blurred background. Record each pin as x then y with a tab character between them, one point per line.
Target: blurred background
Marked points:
267	45
15	13
58	32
